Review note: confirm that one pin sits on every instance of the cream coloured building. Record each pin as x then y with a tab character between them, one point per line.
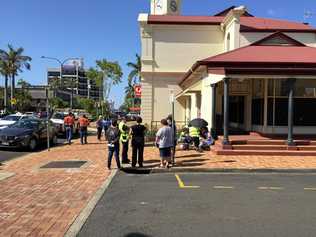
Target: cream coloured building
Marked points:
233	69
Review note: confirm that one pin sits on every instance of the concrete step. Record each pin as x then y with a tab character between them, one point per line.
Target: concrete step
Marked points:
264	153
307	148
260	147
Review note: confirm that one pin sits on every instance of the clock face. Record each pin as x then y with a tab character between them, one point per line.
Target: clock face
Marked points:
173	6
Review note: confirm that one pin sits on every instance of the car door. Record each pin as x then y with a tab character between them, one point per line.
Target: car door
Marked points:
42	131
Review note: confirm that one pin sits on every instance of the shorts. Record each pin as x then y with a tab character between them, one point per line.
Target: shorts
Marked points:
165	153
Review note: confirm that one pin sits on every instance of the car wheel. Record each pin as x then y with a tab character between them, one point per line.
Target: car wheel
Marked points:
32	144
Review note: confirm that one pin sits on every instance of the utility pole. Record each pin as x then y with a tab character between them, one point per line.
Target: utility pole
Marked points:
47	118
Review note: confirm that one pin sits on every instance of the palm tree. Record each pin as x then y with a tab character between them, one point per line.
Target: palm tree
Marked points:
135	74
16	62
5	72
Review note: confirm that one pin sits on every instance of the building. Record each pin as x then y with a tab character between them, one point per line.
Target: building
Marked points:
74	81
235	70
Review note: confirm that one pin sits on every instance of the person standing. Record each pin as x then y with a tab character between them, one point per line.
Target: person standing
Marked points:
124	138
113	138
106	125
69	122
84	123
165	142
138	142
173	126
99	125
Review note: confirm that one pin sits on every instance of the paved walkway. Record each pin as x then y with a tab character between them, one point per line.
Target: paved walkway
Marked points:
45	202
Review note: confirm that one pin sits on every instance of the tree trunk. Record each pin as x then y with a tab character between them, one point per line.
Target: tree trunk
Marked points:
5	96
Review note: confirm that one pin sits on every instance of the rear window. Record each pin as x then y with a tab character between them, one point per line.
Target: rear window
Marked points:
12	118
58	116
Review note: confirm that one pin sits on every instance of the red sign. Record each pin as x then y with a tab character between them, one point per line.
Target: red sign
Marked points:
138	91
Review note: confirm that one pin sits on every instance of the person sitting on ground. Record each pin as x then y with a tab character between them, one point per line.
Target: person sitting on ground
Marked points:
195	135
113	138
206	139
164	141
185	139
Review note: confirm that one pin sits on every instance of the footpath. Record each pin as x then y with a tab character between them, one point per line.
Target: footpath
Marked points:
37	201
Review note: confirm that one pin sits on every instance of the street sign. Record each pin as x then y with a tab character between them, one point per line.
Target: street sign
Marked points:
138	91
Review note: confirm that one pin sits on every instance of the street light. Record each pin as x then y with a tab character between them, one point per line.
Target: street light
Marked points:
172	124
61	73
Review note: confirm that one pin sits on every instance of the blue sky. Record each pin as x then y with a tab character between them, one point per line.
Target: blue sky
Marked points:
95	29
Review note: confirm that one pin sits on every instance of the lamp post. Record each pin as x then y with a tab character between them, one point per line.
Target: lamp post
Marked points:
62	63
172	124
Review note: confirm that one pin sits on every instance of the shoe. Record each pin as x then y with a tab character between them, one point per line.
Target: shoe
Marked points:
125	162
140	166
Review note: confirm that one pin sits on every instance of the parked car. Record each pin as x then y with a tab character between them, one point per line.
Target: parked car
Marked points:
58	122
12	119
27	133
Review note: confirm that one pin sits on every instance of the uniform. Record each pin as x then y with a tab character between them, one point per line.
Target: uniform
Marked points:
124	138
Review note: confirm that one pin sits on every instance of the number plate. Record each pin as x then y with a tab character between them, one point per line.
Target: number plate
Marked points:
5	143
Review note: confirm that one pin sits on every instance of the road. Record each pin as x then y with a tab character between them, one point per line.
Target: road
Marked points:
216	205
7	154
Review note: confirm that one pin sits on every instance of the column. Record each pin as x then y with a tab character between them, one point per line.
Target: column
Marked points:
291	83
194	109
226	111
265	105
213	125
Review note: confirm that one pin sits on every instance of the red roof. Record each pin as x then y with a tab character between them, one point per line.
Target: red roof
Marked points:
247	23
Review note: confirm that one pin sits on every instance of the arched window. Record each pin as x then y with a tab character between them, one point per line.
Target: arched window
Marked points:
228	42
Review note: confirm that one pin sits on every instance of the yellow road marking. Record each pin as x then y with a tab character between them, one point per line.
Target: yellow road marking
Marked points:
182	185
310	189
270	188
223	187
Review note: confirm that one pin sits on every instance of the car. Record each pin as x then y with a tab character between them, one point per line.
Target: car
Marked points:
27	133
58	122
12	119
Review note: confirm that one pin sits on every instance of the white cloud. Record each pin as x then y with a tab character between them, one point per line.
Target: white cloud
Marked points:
271	12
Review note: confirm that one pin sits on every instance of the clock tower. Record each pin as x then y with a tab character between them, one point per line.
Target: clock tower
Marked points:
165	7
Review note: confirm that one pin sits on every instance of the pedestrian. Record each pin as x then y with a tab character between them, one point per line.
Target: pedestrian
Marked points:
195	135
138	142
172	124
124	139
83	123
113	138
99	125
164	141
69	122
106	125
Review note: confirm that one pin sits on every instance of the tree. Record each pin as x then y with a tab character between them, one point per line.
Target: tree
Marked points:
5	72
135	75
57	102
16	61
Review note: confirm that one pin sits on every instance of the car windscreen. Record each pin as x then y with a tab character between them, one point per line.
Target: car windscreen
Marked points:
30	124
12	118
58	116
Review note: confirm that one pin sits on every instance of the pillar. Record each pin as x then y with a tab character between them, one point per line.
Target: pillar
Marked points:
213	119
291	83
226	111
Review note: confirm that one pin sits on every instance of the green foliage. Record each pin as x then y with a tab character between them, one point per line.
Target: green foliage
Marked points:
24	100
111	70
86	104
135	75
57	102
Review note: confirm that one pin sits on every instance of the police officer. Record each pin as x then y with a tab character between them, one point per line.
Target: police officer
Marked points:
124	138
195	135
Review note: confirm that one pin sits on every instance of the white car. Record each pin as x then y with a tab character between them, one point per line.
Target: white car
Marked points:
58	121
11	119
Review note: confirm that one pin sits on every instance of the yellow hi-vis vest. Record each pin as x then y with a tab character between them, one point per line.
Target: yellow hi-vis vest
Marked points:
124	134
194	132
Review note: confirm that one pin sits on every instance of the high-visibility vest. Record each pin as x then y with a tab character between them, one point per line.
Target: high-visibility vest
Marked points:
124	134
194	132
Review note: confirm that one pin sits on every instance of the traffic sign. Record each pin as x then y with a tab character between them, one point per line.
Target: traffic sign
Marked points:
13	101
138	91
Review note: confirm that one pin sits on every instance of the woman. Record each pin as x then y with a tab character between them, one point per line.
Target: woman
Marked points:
138	142
99	125
165	142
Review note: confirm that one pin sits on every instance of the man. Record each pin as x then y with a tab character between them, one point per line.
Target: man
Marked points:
99	125
69	122
195	135
172	124
124	138
138	142
113	137
84	123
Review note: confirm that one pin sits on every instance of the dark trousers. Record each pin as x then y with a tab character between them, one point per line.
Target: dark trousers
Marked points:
196	141
124	152
114	150
83	135
138	152
99	132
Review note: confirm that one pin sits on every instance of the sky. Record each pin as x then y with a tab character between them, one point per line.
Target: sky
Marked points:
97	29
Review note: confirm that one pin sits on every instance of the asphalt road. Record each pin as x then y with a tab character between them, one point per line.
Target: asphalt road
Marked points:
217	205
7	154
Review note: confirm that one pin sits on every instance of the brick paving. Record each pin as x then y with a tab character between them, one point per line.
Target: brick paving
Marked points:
45	202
